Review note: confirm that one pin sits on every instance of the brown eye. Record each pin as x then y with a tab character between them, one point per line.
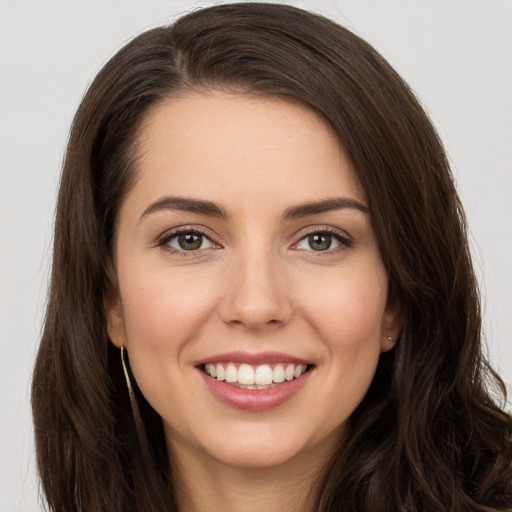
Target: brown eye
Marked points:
323	241
320	241
188	241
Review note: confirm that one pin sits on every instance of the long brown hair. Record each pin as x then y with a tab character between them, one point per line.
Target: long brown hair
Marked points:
430	434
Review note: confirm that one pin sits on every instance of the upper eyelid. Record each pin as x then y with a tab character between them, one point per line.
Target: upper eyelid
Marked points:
170	233
324	229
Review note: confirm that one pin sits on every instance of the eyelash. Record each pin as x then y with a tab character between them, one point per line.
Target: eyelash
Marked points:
344	240
163	241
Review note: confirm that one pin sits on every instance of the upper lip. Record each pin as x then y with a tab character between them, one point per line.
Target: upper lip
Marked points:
253	358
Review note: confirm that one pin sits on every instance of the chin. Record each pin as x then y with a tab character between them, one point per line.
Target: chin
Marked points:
257	446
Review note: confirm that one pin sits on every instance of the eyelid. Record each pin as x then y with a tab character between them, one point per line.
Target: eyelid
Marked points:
162	240
341	236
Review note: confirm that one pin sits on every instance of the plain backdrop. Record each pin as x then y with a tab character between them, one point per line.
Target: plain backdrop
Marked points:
457	56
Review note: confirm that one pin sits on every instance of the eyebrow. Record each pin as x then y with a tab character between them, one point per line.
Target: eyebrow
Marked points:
325	205
185	204
212	209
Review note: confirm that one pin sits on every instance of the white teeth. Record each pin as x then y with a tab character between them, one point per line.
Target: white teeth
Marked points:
278	373
299	371
254	377
231	373
263	375
245	375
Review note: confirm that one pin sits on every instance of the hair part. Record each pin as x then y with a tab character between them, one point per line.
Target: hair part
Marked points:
428	435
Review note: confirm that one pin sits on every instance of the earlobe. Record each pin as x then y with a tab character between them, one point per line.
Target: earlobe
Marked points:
387	344
114	317
391	328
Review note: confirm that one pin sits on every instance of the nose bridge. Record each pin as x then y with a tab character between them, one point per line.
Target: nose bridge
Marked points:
256	294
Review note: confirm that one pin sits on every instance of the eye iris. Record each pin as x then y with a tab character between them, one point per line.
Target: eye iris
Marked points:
190	241
319	242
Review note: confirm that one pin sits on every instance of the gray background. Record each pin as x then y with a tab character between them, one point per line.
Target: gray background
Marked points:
456	55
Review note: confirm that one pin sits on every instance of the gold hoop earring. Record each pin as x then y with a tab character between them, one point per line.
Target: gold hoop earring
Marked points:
127	377
141	433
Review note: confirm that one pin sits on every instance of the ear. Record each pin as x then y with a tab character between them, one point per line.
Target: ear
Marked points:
392	323
114	316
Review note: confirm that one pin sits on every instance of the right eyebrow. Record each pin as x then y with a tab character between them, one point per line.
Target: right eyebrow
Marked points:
186	204
325	205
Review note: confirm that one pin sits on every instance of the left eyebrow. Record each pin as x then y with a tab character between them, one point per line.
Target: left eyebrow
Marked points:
325	205
186	204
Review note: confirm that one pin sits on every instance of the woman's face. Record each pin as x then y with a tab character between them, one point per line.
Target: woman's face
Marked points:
251	299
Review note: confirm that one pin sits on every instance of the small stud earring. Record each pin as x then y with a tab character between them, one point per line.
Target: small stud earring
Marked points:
390	339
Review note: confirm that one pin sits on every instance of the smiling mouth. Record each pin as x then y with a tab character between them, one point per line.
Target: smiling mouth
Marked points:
247	376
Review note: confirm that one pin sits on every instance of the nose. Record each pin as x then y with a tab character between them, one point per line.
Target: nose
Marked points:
257	292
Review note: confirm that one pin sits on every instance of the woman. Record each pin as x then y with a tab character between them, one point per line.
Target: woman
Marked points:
262	296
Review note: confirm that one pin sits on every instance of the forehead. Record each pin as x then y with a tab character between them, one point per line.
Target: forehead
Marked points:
224	146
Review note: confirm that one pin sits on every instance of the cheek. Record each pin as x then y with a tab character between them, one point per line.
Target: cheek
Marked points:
347	307
164	314
163	309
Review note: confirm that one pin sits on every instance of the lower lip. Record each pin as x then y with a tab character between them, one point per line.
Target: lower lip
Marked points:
255	399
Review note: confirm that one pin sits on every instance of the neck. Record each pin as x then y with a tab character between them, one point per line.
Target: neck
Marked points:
204	484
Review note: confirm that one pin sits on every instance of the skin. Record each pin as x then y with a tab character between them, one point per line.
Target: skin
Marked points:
254	285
